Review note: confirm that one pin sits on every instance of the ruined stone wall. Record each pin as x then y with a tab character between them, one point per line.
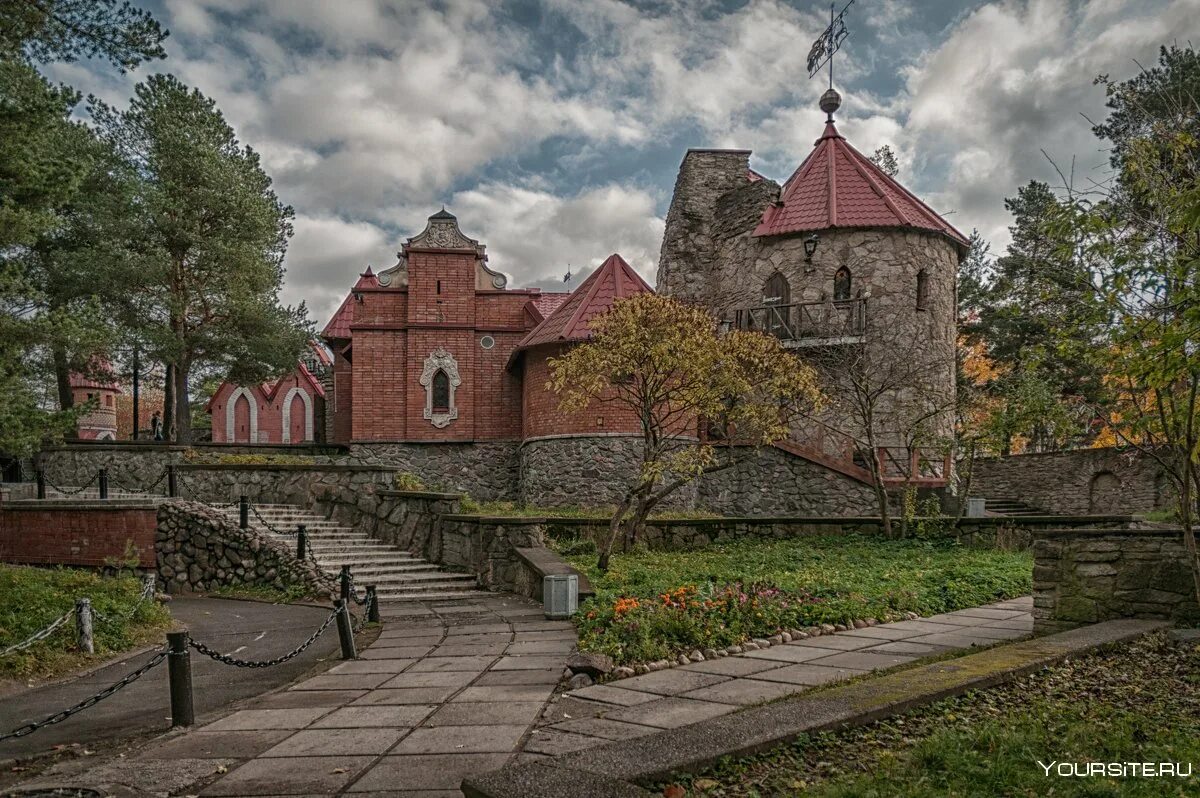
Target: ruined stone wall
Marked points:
1110	480
197	549
1089	575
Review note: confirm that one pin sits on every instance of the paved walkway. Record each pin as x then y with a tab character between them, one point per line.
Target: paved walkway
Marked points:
261	630
669	699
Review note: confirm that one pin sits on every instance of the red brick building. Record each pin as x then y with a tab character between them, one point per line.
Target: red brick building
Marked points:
289	410
100	423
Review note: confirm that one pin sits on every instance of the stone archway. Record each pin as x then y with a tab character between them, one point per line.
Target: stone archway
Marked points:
287	415
231	416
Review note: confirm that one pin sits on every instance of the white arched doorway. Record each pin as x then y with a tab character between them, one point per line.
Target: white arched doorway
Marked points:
287	414
231	417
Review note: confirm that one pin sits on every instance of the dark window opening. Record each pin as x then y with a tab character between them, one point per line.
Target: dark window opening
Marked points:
841	285
776	291
439	286
441	391
922	289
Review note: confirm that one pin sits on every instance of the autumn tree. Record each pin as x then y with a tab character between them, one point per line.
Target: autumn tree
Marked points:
668	364
200	285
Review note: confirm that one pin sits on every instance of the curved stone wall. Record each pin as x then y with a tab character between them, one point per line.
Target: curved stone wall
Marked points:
770	481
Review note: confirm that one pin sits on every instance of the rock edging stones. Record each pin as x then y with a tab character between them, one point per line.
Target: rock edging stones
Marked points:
581	670
198	548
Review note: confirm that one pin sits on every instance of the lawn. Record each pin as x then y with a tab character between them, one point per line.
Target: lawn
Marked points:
1139	702
651	605
32	598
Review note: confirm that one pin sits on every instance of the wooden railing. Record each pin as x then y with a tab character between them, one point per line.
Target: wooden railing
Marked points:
807	321
919	466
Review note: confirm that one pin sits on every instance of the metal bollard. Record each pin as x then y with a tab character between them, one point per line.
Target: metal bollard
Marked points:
179	673
243	512
301	542
83	626
103	483
41	483
345	630
372	605
172	482
344	580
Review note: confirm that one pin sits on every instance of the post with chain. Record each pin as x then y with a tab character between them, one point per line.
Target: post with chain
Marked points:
243	512
83	626
150	585
179	672
172	482
345	630
344	580
301	542
103	483
41	483
372	605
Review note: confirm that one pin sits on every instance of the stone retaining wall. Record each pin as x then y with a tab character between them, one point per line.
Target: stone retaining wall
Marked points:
1076	482
1089	575
486	470
197	549
770	481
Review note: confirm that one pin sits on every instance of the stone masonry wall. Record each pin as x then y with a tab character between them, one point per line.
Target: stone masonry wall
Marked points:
486	548
774	482
198	549
1078	481
485	470
1088	575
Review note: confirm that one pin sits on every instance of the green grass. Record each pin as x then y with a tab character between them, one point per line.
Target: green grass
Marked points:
1139	702
31	598
506	509
273	595
754	589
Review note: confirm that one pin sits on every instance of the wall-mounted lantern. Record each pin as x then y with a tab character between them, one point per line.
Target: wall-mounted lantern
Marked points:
810	247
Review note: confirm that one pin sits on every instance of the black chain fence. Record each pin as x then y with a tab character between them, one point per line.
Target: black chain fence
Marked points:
241	663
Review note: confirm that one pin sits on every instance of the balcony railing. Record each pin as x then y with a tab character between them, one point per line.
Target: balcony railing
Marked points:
808	323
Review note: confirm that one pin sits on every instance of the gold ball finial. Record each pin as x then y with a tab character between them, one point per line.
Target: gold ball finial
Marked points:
831	101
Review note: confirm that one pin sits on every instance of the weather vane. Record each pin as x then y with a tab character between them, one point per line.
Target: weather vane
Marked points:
567	277
828	43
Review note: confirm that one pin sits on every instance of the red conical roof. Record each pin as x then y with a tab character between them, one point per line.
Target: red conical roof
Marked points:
837	186
615	279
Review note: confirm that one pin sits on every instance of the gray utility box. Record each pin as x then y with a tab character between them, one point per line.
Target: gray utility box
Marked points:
560	595
976	507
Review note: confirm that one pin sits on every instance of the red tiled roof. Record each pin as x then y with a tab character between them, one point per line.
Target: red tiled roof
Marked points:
545	304
837	186
753	176
339	323
101	378
615	279
367	280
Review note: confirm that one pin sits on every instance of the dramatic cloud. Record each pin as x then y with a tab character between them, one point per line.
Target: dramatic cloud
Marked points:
553	128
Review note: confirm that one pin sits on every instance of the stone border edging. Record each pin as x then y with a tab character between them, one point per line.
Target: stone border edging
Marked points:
614	770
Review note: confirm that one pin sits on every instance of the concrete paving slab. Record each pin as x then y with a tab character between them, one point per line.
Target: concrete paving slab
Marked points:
565	634
567	708
216	744
948	619
922	627
297	699
478	639
430	679
807	674
425	772
314	775
406	695
479	628
392	666
544	626
906	647
838	642
506	692
346	742
464	739
789	653
994	632
670	713
864	660
732	666
554	743
951	640
250	719
472	650
546	676
885	631
744	691
564	646
1024	622
671	682
345	681
987	612
529	662
486	713
388	715
397	652
604	728
611	694
434	663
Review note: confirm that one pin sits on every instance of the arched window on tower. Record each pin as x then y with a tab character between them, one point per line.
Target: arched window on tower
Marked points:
922	289
841	285
441	391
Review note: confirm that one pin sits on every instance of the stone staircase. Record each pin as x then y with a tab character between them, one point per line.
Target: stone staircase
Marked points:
1007	506
398	575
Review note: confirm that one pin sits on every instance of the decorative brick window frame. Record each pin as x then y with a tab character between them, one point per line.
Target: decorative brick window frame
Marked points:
440	360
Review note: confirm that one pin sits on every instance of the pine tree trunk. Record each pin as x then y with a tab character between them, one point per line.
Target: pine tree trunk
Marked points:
168	410
62	381
183	410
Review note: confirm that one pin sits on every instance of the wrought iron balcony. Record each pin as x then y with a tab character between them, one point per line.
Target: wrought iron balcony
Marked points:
808	323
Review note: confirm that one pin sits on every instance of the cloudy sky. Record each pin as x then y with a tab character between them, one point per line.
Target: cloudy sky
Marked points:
553	128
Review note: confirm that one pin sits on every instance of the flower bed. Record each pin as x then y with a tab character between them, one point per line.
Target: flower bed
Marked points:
658	605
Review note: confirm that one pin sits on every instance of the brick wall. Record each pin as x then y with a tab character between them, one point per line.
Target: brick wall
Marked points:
270	415
543	416
75	532
1089	575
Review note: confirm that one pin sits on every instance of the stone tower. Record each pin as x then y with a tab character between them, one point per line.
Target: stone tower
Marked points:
841	256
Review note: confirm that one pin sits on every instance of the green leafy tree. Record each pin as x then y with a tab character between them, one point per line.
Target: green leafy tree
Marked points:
66	30
885	159
202	286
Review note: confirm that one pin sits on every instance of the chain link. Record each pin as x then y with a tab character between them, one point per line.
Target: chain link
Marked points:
147	489
39	635
270	527
366	614
239	663
354	590
147	592
59	717
75	491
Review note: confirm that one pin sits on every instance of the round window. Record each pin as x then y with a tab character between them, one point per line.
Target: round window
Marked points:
487	342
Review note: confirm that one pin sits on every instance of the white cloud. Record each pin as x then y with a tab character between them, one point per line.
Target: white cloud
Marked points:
325	257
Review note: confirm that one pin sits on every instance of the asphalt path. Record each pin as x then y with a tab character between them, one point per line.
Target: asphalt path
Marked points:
246	629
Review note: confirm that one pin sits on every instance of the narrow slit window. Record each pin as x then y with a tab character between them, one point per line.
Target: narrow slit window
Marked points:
841	285
922	289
